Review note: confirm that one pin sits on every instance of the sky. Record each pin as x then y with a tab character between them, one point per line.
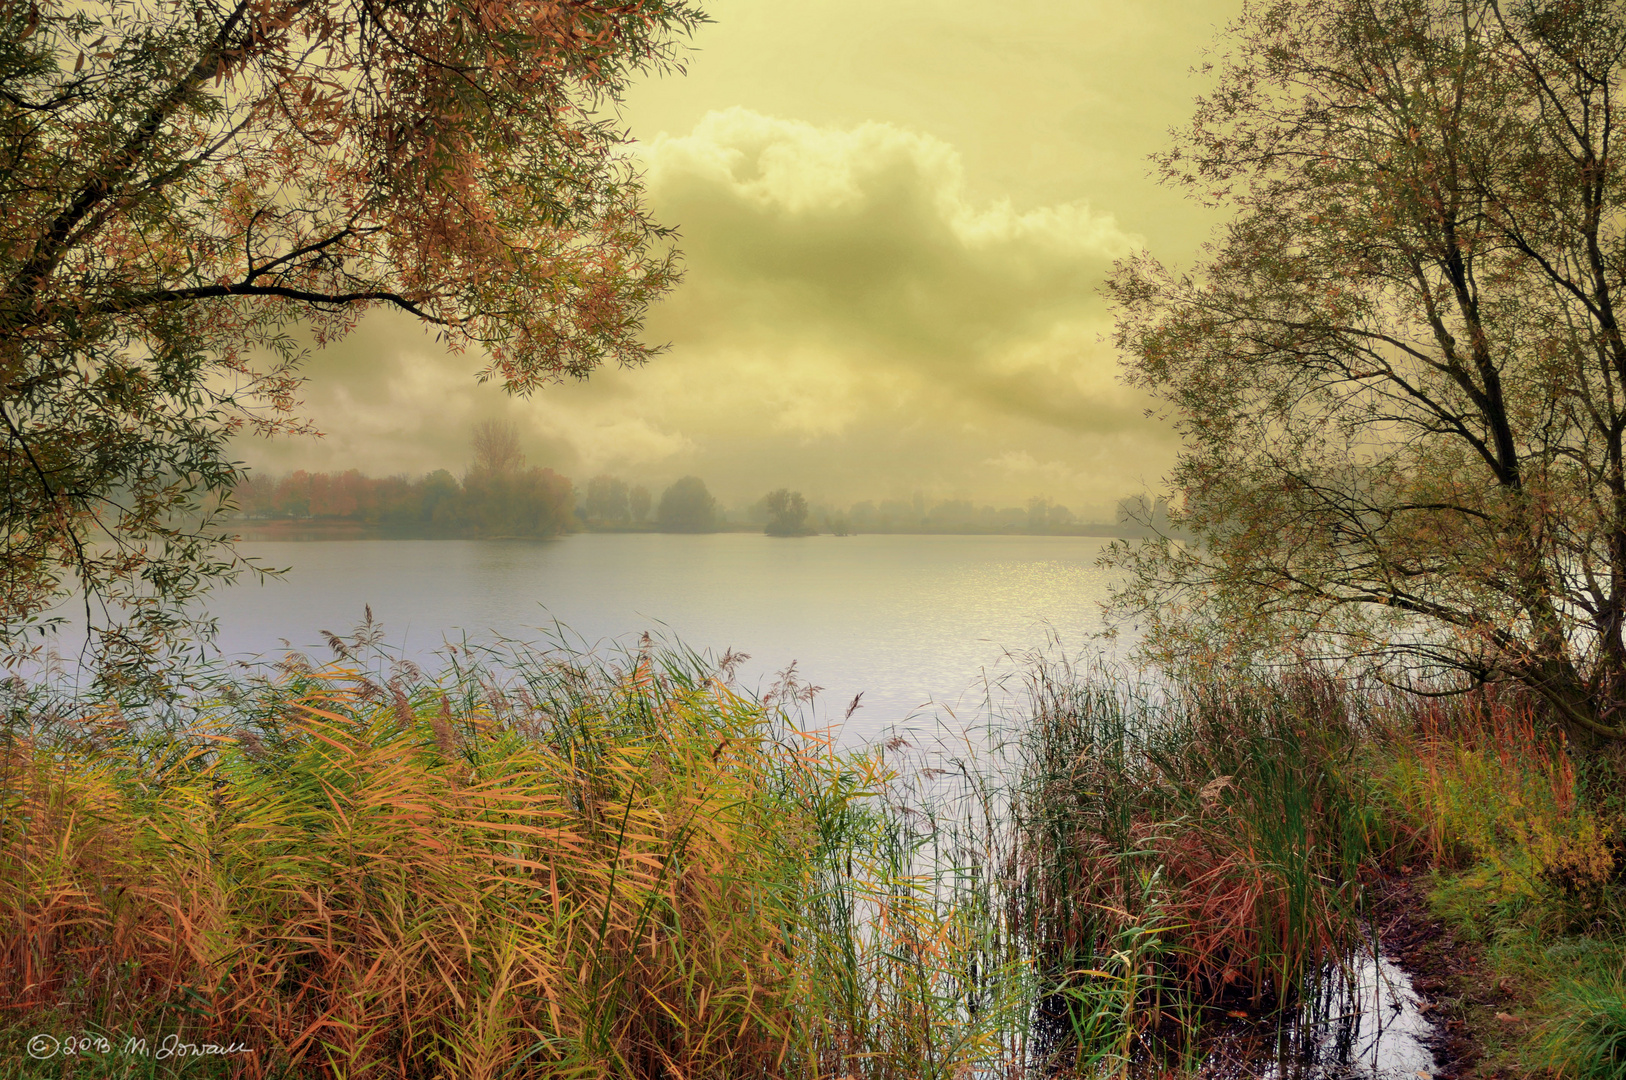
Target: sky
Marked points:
895	221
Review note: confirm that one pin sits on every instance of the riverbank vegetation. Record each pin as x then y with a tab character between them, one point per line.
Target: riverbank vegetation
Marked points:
543	863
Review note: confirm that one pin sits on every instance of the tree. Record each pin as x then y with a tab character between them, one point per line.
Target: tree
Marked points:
787	513
606	501
524	502
687	506
1140	512
496	448
501	497
182	185
1400	372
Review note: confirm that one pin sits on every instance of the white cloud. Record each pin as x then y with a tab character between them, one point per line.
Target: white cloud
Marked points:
852	322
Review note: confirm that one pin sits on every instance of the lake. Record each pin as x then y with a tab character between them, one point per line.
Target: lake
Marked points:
908	621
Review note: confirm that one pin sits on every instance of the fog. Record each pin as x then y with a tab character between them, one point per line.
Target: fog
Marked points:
894	230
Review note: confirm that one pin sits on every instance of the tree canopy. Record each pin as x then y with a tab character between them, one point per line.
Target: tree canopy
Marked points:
188	188
606	501
687	506
1399	369
787	513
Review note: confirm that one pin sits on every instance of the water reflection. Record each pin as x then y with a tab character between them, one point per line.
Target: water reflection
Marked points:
1366	1024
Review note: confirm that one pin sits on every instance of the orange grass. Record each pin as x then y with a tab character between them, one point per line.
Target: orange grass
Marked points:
588	870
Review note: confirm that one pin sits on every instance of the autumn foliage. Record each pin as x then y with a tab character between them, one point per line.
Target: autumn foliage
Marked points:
185	185
521	502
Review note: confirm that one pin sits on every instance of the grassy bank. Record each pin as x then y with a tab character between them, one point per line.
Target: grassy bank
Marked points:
1525	854
1194	859
556	865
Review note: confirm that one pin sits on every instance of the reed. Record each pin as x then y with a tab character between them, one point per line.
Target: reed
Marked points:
546	863
1184	850
560	868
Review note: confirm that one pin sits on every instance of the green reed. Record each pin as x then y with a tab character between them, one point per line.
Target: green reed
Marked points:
1186	849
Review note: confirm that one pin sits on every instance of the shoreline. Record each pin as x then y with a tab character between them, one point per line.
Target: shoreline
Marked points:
309	530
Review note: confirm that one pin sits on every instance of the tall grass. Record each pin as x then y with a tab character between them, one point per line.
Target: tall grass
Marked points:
565	868
1489	789
552	864
1185	849
1527	843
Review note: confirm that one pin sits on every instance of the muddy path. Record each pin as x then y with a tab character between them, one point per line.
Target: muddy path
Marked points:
1460	996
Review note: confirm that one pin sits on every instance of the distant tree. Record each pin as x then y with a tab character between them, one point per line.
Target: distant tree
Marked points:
527	502
606	501
787	513
496	448
687	506
1012	517
952	514
442	497
256	496
1133	510
895	513
638	501
1151	514
294	494
503	498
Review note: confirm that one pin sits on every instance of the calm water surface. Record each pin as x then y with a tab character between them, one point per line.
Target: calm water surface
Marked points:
909	621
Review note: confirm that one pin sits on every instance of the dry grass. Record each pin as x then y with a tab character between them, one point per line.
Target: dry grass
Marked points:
589	870
556	866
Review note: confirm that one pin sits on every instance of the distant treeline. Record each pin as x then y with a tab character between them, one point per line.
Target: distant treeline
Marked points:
534	502
786	513
500	496
523	502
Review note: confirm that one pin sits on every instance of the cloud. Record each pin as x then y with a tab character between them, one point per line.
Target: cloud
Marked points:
851	322
865	242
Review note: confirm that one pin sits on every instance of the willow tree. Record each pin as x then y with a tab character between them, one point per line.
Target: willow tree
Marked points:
1399	369
189	187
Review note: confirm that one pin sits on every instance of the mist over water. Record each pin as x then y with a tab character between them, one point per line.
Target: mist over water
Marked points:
908	621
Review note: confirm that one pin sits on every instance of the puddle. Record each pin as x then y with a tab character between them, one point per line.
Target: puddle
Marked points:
1366	1024
1365	1027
